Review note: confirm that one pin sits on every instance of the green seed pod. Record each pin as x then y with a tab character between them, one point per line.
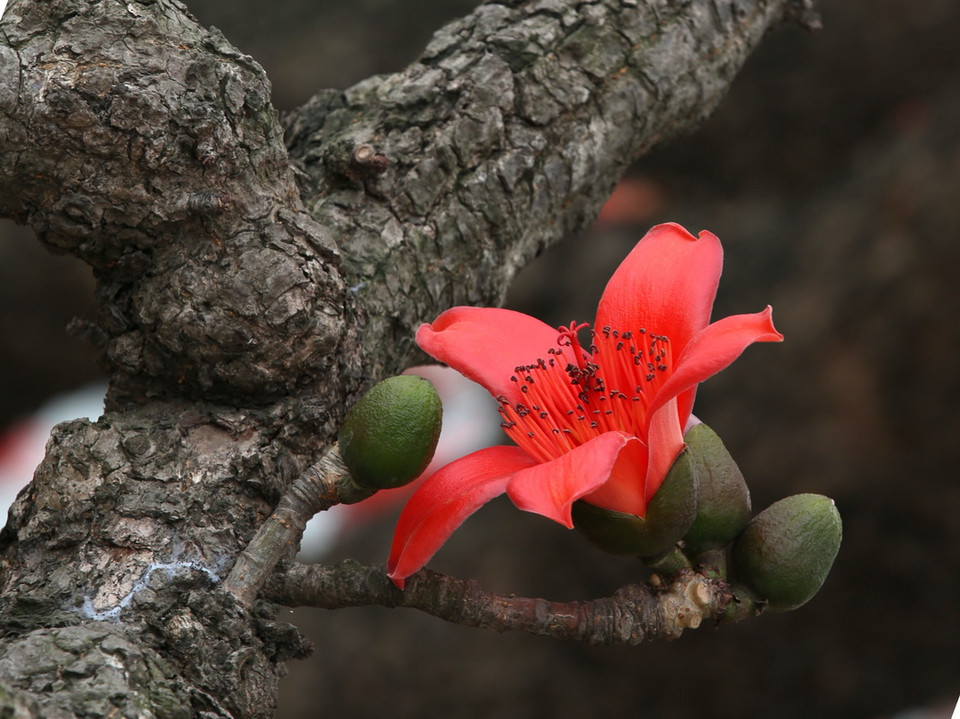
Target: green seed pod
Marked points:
669	515
389	435
786	551
724	508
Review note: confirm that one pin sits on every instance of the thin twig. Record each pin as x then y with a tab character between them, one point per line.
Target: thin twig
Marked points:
634	614
325	484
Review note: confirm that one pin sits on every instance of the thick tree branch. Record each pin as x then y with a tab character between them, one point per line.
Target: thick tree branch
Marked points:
437	183
634	614
507	134
239	308
148	147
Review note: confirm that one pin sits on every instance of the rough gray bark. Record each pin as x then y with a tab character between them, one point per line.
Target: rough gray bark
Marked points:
247	289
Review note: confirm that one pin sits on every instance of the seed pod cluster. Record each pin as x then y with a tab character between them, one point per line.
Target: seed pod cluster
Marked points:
702	514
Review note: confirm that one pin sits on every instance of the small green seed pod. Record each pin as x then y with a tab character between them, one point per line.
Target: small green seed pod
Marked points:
786	551
724	508
669	515
389	436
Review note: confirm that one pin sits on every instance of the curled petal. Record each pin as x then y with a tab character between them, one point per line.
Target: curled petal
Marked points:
551	488
445	500
711	350
665	439
486	344
666	285
623	490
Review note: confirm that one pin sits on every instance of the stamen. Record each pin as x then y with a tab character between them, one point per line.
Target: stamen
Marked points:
570	402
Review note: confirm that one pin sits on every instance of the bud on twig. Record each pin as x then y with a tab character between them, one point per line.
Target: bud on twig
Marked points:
389	436
786	552
724	507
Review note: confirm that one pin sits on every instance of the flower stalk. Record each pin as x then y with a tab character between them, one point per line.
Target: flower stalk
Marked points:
632	615
323	485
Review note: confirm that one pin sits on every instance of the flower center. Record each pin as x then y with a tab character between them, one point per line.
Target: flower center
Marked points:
567	403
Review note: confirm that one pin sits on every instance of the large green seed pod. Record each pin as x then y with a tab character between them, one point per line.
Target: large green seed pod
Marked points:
669	515
389	435
724	507
786	551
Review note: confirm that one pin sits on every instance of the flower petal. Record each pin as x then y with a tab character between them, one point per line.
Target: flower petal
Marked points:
665	439
445	500
549	489
623	491
486	344
666	285
711	350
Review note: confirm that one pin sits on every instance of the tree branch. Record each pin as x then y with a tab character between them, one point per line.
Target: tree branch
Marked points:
634	614
148	147
508	134
235	331
323	485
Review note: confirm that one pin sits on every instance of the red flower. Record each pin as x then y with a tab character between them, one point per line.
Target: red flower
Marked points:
602	423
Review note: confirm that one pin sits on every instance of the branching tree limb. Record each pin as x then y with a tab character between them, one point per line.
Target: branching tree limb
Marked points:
507	134
249	286
634	614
